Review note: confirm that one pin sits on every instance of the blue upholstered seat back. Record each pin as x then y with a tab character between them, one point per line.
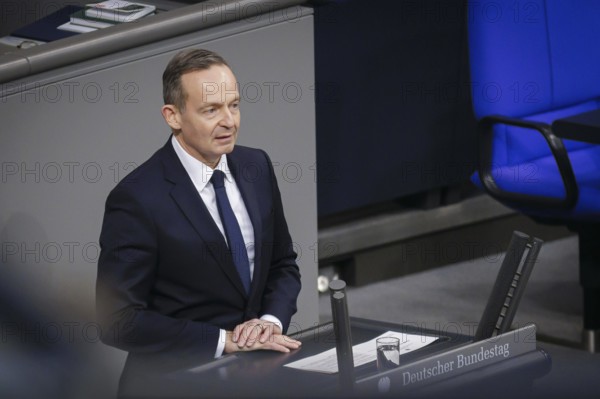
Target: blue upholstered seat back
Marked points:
537	60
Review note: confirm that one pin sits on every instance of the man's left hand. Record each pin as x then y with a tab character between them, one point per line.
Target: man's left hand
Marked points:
251	331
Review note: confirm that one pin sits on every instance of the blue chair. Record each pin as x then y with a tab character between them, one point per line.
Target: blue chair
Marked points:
533	63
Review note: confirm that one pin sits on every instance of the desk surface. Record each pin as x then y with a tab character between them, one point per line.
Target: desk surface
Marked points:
260	374
582	127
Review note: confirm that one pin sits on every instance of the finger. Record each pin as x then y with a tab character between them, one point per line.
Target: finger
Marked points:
274	346
243	336
288	342
245	331
253	334
281	341
267	332
236	332
248	333
280	348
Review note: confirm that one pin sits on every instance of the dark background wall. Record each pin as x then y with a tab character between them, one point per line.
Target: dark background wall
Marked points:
394	120
393	101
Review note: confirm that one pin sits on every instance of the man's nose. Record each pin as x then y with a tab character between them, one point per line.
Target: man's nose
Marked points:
227	118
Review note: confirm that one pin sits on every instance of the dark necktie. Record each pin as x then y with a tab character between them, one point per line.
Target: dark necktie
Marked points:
237	247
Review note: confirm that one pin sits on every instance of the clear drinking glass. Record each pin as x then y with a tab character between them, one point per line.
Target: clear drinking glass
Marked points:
388	353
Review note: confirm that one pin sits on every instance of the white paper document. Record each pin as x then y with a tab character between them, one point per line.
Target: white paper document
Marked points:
326	362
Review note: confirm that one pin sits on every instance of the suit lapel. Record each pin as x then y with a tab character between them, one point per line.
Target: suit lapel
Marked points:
189	201
249	195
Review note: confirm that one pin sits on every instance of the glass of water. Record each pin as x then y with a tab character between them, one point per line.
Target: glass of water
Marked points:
388	353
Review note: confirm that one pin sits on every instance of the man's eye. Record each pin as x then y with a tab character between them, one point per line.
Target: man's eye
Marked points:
210	110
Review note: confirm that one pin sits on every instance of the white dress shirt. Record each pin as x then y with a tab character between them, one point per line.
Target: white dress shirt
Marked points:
200	174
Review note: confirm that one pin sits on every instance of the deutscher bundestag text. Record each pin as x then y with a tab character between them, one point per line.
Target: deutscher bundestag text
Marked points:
462	360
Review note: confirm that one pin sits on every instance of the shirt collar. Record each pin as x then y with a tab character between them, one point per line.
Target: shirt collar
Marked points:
199	172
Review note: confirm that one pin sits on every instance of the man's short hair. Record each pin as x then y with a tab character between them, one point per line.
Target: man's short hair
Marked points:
183	62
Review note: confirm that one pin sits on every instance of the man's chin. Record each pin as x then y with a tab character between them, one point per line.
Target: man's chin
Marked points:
227	149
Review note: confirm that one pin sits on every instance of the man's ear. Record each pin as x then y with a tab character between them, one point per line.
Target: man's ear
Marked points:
171	115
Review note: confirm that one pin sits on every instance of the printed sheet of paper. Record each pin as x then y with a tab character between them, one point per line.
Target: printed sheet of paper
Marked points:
326	362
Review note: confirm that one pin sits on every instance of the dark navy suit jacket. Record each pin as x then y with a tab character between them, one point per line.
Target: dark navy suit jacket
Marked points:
166	280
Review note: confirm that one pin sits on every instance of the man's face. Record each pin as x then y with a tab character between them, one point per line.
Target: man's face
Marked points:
208	126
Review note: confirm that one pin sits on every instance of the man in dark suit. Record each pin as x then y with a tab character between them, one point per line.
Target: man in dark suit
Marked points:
170	285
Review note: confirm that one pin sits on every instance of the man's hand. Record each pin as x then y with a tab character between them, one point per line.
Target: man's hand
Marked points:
276	342
251	331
